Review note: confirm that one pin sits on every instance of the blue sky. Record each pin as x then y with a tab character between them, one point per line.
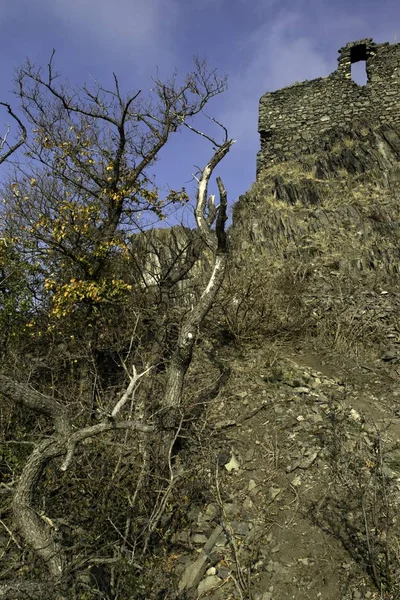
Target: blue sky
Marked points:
261	45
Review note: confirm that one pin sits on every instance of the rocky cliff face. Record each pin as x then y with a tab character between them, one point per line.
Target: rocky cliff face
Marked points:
314	244
338	207
322	232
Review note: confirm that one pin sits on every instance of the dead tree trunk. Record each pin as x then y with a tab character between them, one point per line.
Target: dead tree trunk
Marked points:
216	241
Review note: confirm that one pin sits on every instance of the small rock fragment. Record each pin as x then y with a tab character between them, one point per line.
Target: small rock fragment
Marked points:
247	503
211	512
391	354
223	572
232	465
308	461
209	583
199	538
252	485
296	482
230	508
301	390
240	528
274	492
354	415
223	458
249	455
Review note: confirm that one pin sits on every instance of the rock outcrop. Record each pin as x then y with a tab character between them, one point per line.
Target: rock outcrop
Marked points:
338	207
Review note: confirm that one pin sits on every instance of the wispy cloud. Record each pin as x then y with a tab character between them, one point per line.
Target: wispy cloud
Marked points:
274	55
142	31
277	55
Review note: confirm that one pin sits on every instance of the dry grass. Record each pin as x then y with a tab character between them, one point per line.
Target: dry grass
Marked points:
312	268
361	505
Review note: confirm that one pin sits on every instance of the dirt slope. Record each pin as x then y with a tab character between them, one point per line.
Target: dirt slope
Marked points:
309	507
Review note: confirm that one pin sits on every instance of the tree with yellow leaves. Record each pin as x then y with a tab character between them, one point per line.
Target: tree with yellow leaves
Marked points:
87	181
94	366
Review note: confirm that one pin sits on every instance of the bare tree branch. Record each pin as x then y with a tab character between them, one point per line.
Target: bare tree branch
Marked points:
130	390
22	138
188	331
25	395
92	151
36	530
201	203
29	590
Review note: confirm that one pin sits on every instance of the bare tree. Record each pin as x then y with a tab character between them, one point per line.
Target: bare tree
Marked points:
37	530
67	431
97	146
87	189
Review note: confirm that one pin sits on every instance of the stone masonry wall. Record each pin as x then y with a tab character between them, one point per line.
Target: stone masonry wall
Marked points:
294	120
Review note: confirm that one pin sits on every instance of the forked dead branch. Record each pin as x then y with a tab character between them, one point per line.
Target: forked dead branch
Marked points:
97	146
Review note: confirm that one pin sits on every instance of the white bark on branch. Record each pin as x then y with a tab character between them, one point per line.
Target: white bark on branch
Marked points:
130	390
201	203
36	531
217	240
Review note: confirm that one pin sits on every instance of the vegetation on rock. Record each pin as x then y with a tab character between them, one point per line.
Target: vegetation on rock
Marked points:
194	411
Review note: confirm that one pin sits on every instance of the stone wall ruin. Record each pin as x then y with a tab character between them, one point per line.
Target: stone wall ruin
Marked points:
296	119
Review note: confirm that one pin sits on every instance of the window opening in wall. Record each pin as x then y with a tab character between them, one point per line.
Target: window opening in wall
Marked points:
358	57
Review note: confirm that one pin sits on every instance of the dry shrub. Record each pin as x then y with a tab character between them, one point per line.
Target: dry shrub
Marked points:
361	504
354	312
261	301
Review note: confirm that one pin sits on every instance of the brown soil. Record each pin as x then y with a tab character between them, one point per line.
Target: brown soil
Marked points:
305	429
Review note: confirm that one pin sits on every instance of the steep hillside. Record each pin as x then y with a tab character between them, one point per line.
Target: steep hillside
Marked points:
301	444
285	478
325	229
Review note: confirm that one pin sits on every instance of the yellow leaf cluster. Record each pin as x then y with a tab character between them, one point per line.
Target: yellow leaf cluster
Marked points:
72	218
50	284
68	296
15	189
151	196
180	196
